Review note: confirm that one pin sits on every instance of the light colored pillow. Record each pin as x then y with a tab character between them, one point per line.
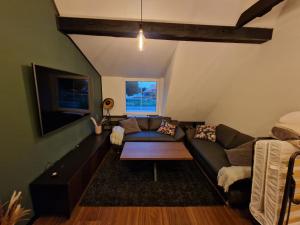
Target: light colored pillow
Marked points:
167	128
130	125
290	118
286	132
206	132
241	155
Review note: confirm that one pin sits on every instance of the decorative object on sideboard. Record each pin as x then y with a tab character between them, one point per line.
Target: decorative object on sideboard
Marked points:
14	212
107	105
98	125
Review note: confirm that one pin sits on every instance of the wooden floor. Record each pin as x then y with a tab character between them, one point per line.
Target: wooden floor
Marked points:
217	215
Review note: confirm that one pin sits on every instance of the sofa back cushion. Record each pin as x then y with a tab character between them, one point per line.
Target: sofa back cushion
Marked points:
155	122
143	122
230	138
241	139
226	135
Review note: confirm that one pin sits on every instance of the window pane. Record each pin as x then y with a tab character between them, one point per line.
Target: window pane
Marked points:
141	96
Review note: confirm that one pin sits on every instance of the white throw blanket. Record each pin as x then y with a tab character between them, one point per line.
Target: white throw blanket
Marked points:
228	175
117	135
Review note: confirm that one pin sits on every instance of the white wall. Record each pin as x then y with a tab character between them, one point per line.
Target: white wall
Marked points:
197	76
114	87
267	86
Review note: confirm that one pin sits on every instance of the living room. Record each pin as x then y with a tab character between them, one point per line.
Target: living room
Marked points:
172	85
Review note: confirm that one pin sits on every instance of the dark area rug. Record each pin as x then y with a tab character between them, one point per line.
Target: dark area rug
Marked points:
130	183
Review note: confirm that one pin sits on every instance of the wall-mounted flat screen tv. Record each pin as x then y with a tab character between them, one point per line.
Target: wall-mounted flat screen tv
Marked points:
62	97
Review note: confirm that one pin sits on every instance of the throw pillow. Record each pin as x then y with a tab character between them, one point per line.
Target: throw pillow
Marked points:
285	132
167	128
130	125
241	155
206	132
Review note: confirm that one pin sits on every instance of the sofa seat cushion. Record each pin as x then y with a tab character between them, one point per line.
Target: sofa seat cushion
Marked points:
148	136
212	153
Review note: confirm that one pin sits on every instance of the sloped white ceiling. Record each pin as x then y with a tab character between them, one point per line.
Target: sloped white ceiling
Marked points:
120	56
218	12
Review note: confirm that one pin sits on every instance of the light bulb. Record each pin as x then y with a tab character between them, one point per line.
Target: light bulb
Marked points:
141	39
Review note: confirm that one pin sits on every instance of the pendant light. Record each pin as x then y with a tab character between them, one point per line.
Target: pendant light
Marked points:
141	37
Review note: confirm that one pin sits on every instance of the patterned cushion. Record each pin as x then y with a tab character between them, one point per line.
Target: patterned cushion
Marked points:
167	128
206	132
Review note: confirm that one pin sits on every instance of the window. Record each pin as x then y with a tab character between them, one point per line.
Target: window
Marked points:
141	96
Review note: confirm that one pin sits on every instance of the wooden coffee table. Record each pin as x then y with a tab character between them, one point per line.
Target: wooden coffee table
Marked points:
155	151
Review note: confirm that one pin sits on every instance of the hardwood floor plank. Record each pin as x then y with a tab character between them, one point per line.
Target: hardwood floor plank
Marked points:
214	215
107	215
152	216
236	216
178	216
133	216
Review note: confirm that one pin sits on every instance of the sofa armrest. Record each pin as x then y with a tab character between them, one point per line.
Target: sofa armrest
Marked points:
179	135
239	193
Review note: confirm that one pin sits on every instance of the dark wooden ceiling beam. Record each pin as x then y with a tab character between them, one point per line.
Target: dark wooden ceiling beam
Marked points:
259	9
163	31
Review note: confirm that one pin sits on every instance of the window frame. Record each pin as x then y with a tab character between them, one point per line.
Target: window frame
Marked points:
158	89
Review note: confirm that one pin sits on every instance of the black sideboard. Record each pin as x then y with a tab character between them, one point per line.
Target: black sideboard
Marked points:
58	195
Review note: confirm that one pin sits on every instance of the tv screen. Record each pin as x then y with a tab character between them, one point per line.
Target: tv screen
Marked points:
62	97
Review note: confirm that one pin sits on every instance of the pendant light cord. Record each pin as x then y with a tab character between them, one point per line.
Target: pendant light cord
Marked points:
141	13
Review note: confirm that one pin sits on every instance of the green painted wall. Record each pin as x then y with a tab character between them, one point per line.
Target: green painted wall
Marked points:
29	34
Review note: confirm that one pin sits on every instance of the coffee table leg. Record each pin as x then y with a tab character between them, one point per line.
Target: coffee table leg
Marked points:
155	171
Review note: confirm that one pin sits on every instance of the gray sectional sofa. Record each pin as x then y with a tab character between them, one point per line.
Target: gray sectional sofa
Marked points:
149	126
212	157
